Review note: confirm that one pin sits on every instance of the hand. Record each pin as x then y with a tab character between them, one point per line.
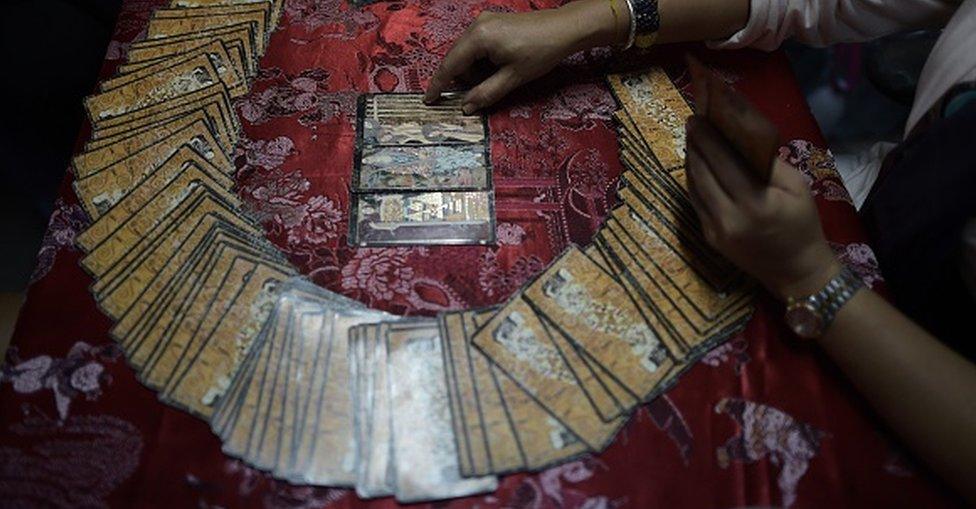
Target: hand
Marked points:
522	47
771	231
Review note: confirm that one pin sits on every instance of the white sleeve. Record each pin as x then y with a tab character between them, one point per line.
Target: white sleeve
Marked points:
824	22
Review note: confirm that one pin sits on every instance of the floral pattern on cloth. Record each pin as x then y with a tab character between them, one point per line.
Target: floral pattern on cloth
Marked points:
767	432
67	463
80	373
819	167
860	258
553	488
735	351
65	223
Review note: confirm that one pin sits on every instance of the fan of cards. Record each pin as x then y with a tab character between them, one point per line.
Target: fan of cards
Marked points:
316	388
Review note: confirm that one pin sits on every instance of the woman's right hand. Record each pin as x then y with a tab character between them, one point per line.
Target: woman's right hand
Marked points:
522	47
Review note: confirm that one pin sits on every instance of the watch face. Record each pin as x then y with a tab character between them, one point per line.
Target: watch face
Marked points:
805	321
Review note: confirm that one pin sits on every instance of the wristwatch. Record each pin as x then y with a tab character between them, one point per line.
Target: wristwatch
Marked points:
809	317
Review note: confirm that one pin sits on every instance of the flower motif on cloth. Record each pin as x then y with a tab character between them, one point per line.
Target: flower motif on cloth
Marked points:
818	166
767	432
860	258
732	351
496	281
65	223
81	373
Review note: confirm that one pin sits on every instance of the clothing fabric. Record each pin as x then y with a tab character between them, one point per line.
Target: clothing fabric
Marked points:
825	22
762	420
916	221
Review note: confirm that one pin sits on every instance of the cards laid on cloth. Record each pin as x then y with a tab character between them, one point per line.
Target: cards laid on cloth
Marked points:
315	388
422	173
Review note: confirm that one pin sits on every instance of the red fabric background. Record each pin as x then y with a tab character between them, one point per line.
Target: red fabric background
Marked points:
763	420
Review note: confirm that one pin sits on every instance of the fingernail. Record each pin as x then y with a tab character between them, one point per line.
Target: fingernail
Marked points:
468	108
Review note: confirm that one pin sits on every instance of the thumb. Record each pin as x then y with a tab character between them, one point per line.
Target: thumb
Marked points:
490	91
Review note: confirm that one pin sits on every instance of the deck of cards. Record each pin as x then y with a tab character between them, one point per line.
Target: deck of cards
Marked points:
422	174
315	388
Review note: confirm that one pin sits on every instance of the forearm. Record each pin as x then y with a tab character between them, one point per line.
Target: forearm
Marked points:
922	389
597	24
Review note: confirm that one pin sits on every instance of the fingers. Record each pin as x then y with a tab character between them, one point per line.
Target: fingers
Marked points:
726	164
709	194
490	90
466	51
752	134
699	84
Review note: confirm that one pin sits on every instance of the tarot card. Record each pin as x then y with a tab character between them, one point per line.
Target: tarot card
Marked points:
236	37
598	315
206	365
185	166
213	99
276	5
160	260
542	440
424	450
193	296
518	343
404	119
375	471
229	71
99	192
167	27
331	446
658	110
146	219
429	167
91	161
422	218
172	80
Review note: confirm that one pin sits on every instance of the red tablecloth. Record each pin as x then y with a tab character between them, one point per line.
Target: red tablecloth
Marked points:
762	420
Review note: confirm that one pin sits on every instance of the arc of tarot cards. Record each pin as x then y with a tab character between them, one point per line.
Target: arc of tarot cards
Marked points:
422	173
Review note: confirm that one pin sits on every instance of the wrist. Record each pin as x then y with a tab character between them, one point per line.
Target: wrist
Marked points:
809	280
596	23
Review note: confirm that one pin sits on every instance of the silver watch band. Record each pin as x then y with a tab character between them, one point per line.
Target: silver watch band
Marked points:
836	293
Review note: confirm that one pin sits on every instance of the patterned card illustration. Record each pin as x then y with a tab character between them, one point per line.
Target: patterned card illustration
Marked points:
658	109
167	27
171	81
229	71
598	314
213	99
429	167
542	440
424	452
422	218
236	37
100	192
91	161
404	119
276	5
517	342
207	366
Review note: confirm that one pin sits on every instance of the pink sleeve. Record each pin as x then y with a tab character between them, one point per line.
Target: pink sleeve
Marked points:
824	22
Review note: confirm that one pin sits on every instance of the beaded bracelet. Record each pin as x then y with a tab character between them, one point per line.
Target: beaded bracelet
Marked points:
646	21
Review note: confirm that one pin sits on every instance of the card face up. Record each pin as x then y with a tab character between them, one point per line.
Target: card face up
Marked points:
422	173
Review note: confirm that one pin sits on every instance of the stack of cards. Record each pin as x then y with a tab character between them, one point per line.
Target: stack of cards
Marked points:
176	263
422	174
314	387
